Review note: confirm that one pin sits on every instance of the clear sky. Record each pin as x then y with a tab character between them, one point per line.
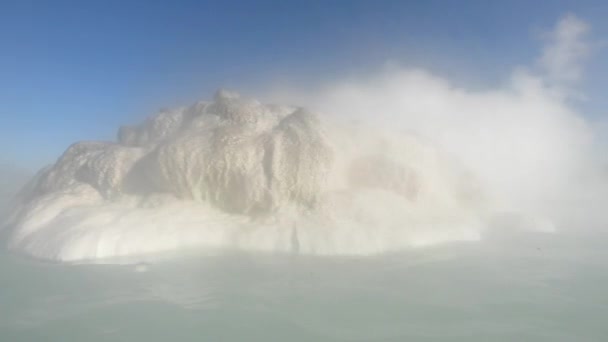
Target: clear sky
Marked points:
77	70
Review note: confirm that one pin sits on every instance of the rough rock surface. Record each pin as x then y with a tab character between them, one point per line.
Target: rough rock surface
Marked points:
212	171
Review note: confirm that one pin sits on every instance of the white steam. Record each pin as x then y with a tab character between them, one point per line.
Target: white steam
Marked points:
524	139
566	50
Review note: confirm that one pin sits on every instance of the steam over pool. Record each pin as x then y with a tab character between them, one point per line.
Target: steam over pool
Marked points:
397	207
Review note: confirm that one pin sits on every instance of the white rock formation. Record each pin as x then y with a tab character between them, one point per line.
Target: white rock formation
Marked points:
234	173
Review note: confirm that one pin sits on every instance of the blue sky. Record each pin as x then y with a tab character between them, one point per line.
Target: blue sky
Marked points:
76	70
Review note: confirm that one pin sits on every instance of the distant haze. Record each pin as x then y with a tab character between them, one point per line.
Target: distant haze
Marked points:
11	181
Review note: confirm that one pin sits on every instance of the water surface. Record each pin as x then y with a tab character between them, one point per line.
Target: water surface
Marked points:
528	287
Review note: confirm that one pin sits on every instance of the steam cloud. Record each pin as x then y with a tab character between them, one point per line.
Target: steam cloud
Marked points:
405	159
524	140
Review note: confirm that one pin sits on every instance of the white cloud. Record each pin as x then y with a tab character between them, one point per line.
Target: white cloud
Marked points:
566	48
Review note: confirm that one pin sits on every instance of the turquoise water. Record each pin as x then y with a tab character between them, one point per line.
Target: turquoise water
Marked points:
528	287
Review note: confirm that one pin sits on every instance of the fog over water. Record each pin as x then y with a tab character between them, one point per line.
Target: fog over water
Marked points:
388	206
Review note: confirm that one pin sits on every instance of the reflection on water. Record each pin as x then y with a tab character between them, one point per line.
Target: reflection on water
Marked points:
538	287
